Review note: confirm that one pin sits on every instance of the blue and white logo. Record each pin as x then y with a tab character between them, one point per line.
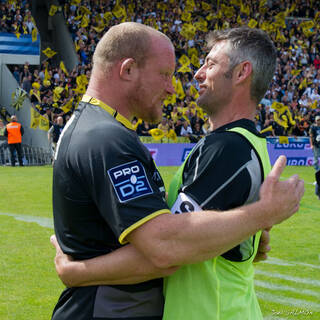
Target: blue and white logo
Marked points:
129	181
185	154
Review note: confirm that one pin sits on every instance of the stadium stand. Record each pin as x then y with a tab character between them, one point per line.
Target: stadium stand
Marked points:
288	108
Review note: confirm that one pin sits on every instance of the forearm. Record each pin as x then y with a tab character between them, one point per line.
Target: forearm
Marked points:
171	239
123	266
193	237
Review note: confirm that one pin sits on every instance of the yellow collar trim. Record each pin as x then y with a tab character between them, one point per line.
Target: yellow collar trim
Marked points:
110	110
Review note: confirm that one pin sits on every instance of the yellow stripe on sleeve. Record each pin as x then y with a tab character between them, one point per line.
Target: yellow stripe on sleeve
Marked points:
123	235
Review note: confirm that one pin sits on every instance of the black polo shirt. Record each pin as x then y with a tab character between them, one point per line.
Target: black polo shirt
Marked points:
223	172
105	185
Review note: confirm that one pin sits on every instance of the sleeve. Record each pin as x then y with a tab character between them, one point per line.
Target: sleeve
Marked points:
126	186
5	133
22	130
224	173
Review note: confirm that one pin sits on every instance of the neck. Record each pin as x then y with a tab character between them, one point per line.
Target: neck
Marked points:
241	109
108	92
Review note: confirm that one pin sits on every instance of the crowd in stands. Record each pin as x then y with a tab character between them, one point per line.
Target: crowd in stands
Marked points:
288	108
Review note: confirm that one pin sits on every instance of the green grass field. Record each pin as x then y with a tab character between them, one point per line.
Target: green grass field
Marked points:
288	284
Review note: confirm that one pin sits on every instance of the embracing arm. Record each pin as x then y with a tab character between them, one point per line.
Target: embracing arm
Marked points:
168	241
197	236
123	266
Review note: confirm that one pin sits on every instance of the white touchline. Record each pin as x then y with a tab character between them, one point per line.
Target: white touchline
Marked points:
41	221
281	262
312	282
288	301
280	287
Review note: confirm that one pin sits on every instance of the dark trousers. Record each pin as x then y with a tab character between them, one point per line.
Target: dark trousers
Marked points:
3	146
15	147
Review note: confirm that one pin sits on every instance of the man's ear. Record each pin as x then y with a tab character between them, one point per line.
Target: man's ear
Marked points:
128	69
243	71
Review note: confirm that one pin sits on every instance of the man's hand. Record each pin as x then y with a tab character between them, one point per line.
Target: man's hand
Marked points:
61	262
125	265
280	198
264	246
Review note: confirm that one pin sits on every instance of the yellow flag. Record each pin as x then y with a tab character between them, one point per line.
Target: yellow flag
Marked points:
307	32
44	123
108	16
162	6
49	52
184	69
171	99
239	21
262	3
82	80
18	35
283	140
280	37
135	126
99	29
292	8
84	22
277	106
34	34
186	16
63	68
172	135
210	16
57	93
34	118
245	9
266	129
46	75
306	24
53	10
192	51
157	134
67	106
195	61
80	90
193	92
179	90
303	84
131	7
206	6
85	10
201	25
118	11
295	72
184	60
76	45
314	104
252	23
188	31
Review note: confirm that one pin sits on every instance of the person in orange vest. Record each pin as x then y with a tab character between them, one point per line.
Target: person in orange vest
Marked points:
14	132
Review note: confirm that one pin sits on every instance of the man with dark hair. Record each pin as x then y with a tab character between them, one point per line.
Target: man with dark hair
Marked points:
54	133
14	132
107	191
314	133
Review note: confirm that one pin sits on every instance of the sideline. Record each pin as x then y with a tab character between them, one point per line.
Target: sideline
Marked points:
41	221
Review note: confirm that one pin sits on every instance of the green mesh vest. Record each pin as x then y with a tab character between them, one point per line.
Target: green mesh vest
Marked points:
216	289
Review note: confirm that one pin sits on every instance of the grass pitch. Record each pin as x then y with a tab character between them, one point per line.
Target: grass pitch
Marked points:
288	284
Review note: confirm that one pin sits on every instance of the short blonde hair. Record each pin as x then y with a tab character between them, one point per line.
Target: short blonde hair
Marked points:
125	40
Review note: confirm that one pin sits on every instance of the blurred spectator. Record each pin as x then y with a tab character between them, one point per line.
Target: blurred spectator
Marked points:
54	134
14	132
315	142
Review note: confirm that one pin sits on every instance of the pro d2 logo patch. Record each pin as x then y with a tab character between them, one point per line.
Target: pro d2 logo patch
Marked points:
130	181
